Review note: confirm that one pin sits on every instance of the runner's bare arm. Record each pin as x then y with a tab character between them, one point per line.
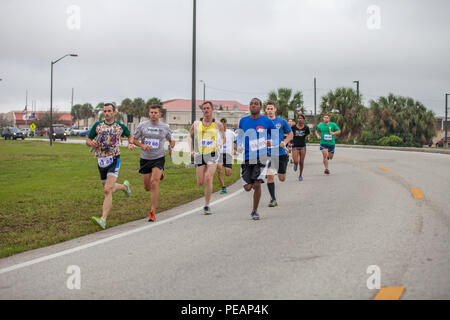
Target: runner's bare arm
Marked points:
91	143
318	135
131	142
222	133
289	137
335	133
141	145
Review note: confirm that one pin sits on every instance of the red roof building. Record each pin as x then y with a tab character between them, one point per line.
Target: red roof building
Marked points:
22	119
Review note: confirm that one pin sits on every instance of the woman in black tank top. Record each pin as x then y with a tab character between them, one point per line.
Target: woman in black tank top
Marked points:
301	133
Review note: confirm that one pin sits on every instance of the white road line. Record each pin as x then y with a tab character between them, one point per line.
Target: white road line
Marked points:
117	236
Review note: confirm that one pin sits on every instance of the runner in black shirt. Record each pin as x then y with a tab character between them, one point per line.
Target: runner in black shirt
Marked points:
301	132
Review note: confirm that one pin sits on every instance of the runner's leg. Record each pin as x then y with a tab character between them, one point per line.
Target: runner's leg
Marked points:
256	194
302	161
155	177
325	158
220	175
108	190
200	171
208	179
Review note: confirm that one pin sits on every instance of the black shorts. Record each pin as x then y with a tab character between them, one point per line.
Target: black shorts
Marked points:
111	170
227	160
282	160
204	159
148	165
250	173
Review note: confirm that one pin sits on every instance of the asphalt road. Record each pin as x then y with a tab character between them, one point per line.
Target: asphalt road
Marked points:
317	244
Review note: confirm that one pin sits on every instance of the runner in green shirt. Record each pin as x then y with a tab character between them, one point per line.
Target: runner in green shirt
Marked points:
326	131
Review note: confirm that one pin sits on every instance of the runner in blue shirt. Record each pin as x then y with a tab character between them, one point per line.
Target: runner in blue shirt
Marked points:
279	157
253	138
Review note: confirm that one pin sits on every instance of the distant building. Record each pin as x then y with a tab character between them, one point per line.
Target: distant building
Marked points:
20	119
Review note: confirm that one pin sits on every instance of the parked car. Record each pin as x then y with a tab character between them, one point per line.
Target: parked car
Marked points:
84	133
27	132
440	143
12	133
42	132
59	133
80	130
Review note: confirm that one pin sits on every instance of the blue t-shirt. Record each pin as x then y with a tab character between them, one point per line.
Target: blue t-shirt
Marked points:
254	133
283	128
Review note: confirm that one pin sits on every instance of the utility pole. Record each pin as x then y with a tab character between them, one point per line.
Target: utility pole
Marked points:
357	89
194	29
315	103
446	126
26	108
71	104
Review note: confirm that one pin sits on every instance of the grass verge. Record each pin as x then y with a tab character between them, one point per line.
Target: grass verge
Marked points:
48	194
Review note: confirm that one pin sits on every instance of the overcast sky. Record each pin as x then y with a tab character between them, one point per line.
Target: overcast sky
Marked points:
245	48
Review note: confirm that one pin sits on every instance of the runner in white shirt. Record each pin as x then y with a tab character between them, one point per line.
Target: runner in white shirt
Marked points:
226	155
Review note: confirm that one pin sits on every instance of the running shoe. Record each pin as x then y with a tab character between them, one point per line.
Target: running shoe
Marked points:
162	176
255	215
295	166
300	178
151	217
273	203
207	210
99	221
224	190
327	171
126	183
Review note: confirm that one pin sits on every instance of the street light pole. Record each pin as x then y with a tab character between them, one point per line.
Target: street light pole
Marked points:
446	109
204	90
194	29
51	96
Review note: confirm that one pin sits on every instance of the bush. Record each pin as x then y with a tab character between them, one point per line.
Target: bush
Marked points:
370	137
392	141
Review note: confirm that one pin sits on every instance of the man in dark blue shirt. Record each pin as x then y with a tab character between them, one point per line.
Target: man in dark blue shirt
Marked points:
279	157
253	138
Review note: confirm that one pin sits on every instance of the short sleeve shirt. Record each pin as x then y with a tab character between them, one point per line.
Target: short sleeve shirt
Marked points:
283	128
108	137
153	135
325	131
300	135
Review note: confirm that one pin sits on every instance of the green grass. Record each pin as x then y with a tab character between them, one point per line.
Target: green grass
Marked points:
48	194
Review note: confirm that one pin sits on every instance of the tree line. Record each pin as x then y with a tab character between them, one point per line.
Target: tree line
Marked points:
137	107
392	120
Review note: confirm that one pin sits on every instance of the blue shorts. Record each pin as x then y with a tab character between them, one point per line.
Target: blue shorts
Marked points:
111	170
330	148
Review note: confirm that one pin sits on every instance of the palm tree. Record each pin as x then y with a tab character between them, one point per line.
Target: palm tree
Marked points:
285	102
76	115
126	107
98	111
345	108
86	112
404	117
139	108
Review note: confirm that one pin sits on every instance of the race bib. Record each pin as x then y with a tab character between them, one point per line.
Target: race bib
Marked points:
154	143
207	143
256	145
105	162
327	137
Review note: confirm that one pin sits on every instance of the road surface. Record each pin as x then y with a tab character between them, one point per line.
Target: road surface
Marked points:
317	244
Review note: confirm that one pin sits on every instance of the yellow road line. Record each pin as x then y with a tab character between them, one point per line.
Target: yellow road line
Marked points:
417	194
390	293
383	168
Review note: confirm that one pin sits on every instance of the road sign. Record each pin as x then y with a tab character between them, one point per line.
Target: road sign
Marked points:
291	114
32	127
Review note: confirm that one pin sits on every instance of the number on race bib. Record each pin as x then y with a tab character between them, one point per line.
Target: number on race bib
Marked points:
154	143
328	137
105	162
207	143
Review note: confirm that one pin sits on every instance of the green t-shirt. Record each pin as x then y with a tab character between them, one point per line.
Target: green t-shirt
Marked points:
325	131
